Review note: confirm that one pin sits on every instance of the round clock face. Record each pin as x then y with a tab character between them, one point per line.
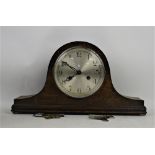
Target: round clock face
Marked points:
79	72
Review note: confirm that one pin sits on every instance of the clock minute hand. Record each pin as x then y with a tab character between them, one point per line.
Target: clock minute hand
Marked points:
69	65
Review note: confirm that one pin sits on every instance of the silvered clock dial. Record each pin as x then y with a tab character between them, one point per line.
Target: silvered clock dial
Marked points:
79	72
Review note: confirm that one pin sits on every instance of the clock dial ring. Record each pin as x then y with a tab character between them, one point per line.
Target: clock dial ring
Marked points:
79	72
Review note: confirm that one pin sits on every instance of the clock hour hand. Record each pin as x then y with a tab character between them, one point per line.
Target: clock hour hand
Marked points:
65	63
78	72
69	78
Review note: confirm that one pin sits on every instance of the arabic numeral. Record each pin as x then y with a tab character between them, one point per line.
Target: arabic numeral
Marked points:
60	72
79	90
98	71
95	63
63	82
79	54
89	56
89	88
70	87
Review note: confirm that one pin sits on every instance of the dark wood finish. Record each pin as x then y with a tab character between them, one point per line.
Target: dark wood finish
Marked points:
105	101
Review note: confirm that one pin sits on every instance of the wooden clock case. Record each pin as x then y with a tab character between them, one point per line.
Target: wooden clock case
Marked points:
105	101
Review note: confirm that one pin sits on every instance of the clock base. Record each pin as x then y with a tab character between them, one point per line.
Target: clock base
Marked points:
27	105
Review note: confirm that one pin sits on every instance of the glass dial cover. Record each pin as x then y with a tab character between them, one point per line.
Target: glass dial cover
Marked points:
79	72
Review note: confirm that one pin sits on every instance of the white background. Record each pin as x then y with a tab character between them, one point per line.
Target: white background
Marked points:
26	52
77	141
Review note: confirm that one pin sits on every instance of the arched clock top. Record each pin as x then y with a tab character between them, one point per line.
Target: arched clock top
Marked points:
79	44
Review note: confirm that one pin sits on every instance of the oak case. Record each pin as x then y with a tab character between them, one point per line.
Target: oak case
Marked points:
105	101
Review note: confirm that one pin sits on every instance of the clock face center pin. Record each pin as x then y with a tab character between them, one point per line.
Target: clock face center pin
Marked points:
78	72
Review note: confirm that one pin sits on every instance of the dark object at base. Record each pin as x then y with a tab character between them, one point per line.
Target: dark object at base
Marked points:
101	117
48	116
